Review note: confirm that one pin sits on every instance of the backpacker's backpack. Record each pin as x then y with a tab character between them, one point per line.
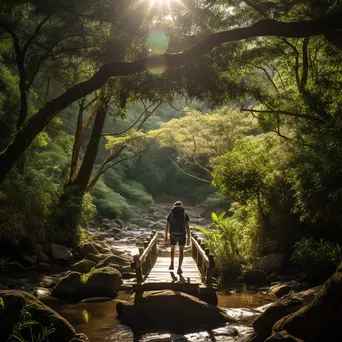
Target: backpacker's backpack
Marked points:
177	220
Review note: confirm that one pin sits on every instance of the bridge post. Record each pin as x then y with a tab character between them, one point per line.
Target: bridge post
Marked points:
136	265
193	248
154	247
210	269
199	258
147	262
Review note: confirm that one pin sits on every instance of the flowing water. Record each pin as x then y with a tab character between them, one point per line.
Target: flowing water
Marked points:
98	320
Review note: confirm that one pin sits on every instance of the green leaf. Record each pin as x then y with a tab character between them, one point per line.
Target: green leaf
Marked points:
214	217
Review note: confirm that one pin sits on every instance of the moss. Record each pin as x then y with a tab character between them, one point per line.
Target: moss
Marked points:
86	276
84	236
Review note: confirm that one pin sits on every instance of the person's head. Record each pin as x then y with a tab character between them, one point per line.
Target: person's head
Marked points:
178	204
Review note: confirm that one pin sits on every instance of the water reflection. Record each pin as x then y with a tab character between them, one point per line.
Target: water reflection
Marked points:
98	320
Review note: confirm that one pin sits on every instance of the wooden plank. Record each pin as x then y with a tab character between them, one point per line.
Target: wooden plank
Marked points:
161	277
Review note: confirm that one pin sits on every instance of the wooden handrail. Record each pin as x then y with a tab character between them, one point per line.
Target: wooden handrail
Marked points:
148	249
205	258
202	256
146	255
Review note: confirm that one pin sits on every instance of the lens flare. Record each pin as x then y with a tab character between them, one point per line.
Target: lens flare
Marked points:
156	65
157	42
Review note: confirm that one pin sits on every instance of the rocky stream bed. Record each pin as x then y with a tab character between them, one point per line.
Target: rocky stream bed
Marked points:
85	285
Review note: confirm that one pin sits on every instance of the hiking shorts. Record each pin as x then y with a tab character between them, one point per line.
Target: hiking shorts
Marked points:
180	238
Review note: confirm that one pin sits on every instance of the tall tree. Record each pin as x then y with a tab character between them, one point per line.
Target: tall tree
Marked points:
38	121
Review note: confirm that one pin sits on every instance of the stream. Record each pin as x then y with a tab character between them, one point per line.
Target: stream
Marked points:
98	320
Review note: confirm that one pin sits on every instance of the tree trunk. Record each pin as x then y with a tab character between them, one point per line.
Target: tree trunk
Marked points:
70	204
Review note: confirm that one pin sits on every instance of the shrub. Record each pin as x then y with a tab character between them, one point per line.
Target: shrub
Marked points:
221	239
317	259
109	203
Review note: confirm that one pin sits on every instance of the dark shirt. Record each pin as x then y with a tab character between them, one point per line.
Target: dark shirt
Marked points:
186	217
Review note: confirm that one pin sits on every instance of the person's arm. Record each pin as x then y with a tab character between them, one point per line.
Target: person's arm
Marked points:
167	232
188	233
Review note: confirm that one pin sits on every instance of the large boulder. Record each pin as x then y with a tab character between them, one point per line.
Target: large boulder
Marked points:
271	262
61	253
83	266
86	248
68	287
280	290
321	319
255	277
114	259
11	314
282	307
102	282
170	311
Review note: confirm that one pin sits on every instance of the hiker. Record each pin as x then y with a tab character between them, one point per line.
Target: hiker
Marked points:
178	227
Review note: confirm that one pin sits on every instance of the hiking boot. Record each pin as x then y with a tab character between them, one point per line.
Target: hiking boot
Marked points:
179	271
171	267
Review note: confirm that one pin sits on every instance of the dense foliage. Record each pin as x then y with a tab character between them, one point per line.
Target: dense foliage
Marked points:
252	125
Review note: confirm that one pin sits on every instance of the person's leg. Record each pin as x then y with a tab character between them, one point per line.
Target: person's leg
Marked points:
180	260
181	254
172	256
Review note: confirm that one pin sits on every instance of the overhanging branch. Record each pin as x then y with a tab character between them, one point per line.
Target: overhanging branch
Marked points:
189	174
262	28
295	115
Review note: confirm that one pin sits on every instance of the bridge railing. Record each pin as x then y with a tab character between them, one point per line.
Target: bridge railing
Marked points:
203	258
144	261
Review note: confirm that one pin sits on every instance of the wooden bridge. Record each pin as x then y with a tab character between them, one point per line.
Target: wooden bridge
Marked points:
152	271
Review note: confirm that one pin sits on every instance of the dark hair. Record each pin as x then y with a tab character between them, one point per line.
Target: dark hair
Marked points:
178	204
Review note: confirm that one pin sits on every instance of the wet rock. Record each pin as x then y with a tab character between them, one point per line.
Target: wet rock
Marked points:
272	278
141	222
43	267
94	257
29	260
61	253
48	282
271	262
280	290
283	336
106	220
282	307
14	301
160	310
103	282
106	226
83	266
114	259
42	257
256	277
68	286
158	225
132	227
119	222
85	249
321	319
41	292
